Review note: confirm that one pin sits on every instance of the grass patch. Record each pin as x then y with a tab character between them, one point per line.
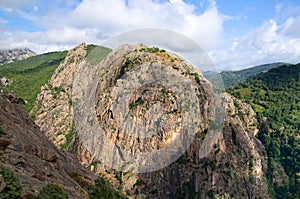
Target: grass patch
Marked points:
69	135
95	54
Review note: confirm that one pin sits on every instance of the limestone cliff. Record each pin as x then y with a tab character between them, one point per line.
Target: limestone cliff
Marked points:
138	110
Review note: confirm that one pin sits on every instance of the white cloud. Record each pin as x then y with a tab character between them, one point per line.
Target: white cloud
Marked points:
115	16
3	21
15	3
93	21
271	42
35	8
278	7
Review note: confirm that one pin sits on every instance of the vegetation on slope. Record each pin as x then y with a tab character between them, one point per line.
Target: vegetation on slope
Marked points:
53	191
232	78
10	184
275	98
103	189
30	74
96	53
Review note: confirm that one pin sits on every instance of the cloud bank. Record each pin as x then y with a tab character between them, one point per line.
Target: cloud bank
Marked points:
271	42
67	23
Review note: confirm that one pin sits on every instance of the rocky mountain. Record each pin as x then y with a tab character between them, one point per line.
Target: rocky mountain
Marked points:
231	78
35	160
8	56
137	109
53	108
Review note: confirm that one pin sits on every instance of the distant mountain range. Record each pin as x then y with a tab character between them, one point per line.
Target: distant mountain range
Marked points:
11	55
231	78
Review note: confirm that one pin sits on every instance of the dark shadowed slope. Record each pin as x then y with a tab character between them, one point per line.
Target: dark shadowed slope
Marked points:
25	150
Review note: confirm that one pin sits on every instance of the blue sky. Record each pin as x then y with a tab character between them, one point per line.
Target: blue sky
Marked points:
236	34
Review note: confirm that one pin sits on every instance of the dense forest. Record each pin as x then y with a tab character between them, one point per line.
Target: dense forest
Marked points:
274	96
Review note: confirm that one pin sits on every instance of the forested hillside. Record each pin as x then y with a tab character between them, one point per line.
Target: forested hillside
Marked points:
30	74
232	78
274	95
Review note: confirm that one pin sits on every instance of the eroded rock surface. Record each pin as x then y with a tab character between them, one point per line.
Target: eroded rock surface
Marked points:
235	165
143	112
53	111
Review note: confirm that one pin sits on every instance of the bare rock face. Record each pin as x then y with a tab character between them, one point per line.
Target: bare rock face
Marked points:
34	159
5	82
8	56
53	111
234	166
146	110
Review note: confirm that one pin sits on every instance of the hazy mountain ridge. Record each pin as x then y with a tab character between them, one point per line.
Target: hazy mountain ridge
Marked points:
11	55
231	78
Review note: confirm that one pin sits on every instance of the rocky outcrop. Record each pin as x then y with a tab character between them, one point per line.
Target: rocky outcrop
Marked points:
33	158
8	56
142	113
144	109
5	82
53	111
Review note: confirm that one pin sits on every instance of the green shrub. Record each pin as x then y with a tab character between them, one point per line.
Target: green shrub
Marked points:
138	102
102	189
119	176
152	50
197	78
129	63
52	191
13	187
66	146
223	196
1	130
